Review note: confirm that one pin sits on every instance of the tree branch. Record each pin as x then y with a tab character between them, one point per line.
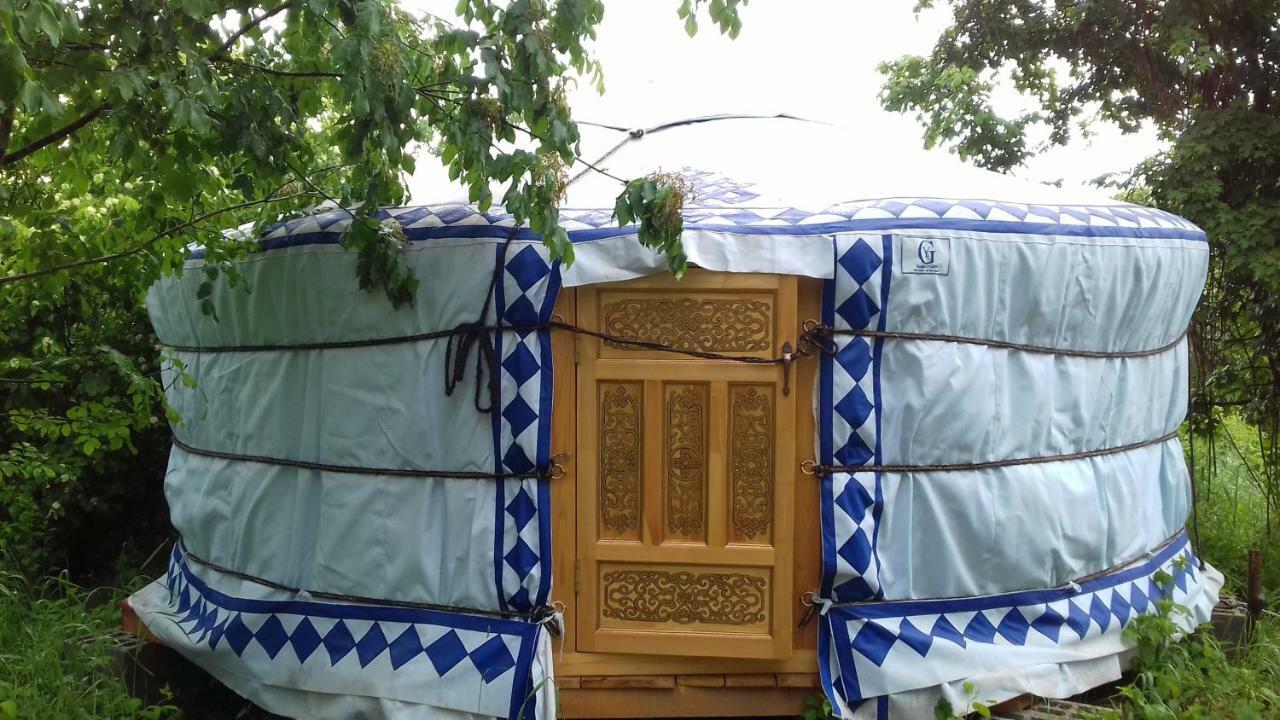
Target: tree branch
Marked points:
54	137
6	131
277	73
253	23
172	230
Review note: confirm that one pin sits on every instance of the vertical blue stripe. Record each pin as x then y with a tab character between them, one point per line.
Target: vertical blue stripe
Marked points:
886	274
826	438
545	417
824	662
499	487
522	683
844	658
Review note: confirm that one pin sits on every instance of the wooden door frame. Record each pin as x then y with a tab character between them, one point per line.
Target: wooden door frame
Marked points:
714	549
569	661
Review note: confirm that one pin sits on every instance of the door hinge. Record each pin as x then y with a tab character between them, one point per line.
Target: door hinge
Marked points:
577	349
577	576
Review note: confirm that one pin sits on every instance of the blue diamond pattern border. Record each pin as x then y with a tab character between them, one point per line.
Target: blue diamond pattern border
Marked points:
882	640
478	650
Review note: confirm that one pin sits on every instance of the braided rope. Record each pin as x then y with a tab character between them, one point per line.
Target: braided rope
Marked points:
809	467
553	472
539	614
821	338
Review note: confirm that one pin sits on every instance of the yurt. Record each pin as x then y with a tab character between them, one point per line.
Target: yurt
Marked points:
905	431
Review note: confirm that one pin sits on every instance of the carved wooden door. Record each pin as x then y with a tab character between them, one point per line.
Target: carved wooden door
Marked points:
686	469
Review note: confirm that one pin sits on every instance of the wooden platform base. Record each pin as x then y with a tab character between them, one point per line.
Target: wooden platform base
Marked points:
131	624
683	699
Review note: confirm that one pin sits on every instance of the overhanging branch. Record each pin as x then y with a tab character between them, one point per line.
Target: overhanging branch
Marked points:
54	137
253	23
172	230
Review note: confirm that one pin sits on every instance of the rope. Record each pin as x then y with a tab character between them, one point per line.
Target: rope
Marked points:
466	336
815	337
811	600
539	614
554	472
809	467
821	338
471	329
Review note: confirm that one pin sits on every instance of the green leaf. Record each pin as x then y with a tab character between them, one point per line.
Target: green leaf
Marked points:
50	23
13	66
9	710
31	98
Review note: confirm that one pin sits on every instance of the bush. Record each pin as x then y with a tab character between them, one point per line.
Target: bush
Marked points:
1192	678
82	435
1232	503
61	654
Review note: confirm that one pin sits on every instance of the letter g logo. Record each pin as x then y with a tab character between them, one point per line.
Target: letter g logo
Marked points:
926	252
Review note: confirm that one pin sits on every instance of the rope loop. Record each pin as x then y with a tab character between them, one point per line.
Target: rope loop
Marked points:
816	339
461	340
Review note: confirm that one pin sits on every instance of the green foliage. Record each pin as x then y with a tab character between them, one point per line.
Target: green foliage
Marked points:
943	710
1191	677
60	656
1232	504
960	110
724	13
1120	62
81	425
132	131
657	201
816	708
1206	75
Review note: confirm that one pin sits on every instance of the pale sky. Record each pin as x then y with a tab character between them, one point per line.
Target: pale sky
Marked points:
812	58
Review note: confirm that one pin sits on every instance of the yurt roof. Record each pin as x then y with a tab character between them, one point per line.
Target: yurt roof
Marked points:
772	177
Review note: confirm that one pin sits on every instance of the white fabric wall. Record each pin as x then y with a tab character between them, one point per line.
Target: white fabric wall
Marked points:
468	547
934	578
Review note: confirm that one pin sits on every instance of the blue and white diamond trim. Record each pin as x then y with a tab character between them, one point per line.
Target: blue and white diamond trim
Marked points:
724	206
849	403
464	662
870	650
526	295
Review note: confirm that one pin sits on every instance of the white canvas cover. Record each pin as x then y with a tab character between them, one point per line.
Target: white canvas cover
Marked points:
1019	578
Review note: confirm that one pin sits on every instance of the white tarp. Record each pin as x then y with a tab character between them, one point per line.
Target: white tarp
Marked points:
930	578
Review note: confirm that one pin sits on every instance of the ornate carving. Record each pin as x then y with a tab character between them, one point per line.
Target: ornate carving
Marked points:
707	324
620	458
751	460
684	597
686	458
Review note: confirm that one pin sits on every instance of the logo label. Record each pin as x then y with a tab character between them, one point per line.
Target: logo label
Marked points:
925	256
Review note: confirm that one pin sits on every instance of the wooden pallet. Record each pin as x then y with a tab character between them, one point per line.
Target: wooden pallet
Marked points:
660	696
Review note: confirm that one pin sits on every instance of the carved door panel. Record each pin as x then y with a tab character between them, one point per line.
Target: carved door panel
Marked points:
686	469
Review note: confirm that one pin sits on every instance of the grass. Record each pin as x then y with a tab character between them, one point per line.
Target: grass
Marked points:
1232	507
61	655
1194	678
